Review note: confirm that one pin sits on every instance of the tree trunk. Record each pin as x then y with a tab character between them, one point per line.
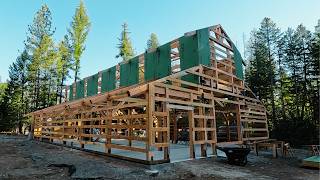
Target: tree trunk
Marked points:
281	87
304	86
76	74
63	76
60	99
37	87
296	92
20	125
48	94
271	79
57	92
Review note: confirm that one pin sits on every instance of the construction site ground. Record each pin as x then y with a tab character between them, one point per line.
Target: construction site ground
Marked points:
24	159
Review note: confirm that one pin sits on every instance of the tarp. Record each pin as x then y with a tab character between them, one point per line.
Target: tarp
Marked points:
313	161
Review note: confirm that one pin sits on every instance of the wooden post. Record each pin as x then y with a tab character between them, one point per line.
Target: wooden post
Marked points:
41	122
80	137
213	145
130	123
282	148
167	123
274	150
108	129
256	148
238	122
31	133
150	110
175	128
63	131
160	123
203	133
191	134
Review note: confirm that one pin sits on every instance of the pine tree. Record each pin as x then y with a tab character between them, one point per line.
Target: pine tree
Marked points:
18	82
5	121
3	87
153	42
256	72
269	34
42	25
282	75
63	66
293	65
125	47
283	70
80	27
46	53
38	33
315	77
304	39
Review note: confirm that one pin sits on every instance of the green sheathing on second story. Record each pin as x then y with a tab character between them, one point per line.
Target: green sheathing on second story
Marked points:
129	72
71	92
157	64
238	62
149	65
92	85
194	50
80	89
108	80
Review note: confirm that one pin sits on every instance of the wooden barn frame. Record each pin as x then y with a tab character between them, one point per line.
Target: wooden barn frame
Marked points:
139	121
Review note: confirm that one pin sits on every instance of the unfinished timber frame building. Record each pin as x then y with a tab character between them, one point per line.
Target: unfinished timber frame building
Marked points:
178	101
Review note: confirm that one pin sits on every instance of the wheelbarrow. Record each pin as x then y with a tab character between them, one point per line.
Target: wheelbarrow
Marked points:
236	154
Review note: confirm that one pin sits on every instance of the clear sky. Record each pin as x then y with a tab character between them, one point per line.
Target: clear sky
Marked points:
169	19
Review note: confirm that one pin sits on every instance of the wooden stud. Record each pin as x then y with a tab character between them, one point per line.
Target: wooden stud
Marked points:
191	134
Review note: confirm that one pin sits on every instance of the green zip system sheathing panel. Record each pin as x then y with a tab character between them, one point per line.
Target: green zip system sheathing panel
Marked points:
164	61
129	72
80	89
203	46
71	92
238	62
194	50
157	63
108	81
149	65
92	85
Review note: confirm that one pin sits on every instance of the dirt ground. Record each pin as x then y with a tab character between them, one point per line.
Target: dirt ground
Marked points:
23	159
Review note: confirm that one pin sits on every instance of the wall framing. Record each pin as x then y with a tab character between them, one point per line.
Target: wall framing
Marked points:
139	114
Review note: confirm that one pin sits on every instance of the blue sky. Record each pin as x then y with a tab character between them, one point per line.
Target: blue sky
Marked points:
169	19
